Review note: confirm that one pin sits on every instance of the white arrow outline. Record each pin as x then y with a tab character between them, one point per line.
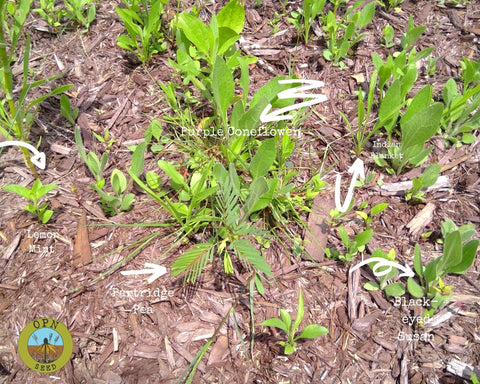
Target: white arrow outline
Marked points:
357	170
294	93
37	159
383	263
156	271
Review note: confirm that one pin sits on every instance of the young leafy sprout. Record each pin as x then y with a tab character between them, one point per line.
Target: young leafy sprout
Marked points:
285	324
142	20
458	255
34	195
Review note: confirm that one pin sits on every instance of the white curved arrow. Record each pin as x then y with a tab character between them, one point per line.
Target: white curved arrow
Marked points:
293	93
156	271
37	159
381	262
357	170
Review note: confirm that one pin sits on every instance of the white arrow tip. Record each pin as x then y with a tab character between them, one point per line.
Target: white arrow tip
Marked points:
39	160
358	167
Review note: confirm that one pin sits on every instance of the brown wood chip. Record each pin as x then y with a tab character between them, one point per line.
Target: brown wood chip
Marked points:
81	251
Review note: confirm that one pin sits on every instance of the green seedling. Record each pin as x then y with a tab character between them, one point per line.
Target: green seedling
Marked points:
458	255
207	56
385	284
428	178
352	248
106	139
81	11
388	35
461	115
35	194
367	218
67	111
343	34
459	252
17	113
51	14
143	22
310	10
94	164
336	217
119	201
420	113
432	66
284	323
363	132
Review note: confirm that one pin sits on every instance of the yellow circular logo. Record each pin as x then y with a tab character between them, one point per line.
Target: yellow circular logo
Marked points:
45	345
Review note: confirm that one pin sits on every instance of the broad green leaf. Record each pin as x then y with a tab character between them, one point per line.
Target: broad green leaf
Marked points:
364	237
390	107
119	182
19	190
452	251
300	312
138	157
469	251
421	101
222	86
376	209
371	286
287	320
226	39
45	216
430	175
232	15
256	190
263	159
289	348
44	189
265	199
196	31
414	289
421	127
259	284
127	202
275	322
154	181
417	261
395	289
311	331
176	179
431	271
344	236
408	79
447	227
366	14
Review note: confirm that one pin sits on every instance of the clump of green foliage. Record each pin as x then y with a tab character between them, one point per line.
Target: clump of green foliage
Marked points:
81	12
143	22
459	252
119	200
302	20
17	111
35	194
352	248
427	179
461	115
343	34
290	328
